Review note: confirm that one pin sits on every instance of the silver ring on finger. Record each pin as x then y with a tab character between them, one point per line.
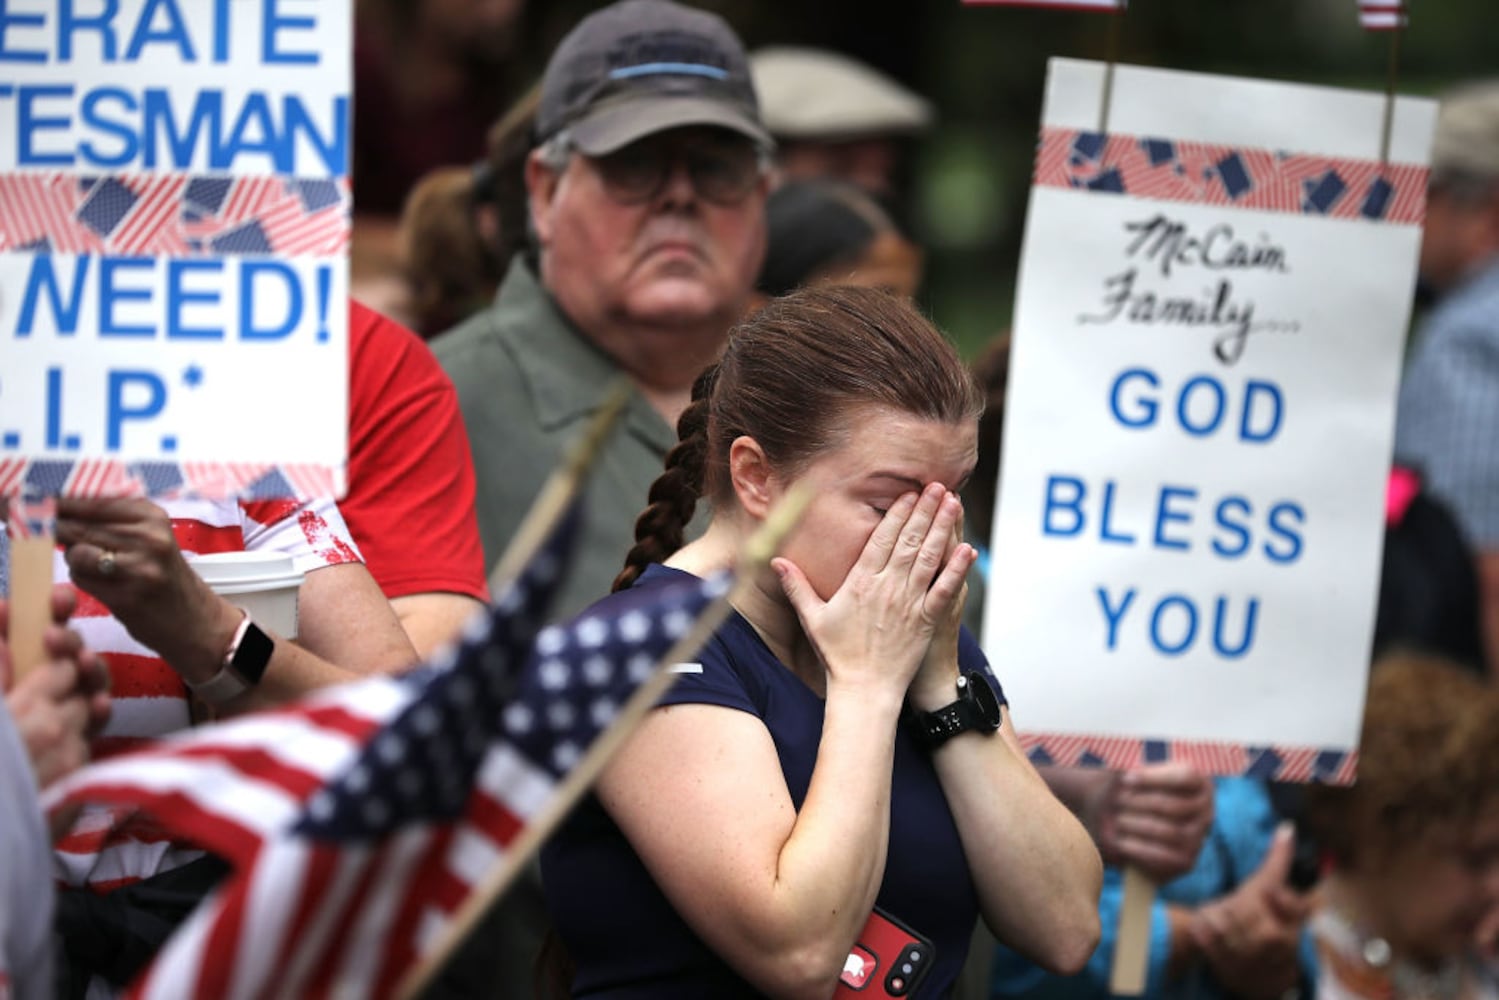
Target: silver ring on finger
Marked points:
107	565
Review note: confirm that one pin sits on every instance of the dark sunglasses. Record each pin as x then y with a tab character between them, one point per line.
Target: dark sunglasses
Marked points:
723	171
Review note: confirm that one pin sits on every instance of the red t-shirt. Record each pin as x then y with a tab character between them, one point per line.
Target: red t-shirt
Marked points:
410	506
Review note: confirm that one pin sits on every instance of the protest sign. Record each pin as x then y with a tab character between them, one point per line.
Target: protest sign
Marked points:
1208	337
174	214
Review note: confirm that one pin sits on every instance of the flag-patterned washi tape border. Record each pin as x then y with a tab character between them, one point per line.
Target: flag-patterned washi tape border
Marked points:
209	480
31	518
173	214
1233	176
1271	763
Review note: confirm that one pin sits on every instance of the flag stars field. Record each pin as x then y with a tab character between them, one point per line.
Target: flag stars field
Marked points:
561	716
518	718
676	623
554	675
602	710
596	668
592	633
634	626
640	667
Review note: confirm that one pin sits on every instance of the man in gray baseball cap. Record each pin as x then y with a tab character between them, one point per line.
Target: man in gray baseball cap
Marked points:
643	66
1449	399
647	186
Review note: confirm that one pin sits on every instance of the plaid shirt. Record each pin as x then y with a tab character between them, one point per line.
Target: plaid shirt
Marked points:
1448	422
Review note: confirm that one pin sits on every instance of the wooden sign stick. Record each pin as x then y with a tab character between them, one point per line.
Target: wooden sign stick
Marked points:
30	583
1131	962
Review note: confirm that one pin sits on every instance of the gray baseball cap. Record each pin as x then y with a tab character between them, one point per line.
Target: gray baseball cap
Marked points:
638	67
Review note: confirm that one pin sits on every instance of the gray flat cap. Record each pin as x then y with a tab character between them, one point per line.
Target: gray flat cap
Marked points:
1467	136
808	93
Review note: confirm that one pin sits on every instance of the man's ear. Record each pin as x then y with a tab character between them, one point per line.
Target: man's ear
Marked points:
753	480
541	193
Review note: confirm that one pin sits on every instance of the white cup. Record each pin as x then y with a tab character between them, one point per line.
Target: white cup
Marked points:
265	584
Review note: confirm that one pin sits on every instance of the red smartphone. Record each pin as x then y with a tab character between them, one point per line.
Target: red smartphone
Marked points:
888	960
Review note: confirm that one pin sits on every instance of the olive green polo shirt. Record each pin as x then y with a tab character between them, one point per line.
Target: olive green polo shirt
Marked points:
528	382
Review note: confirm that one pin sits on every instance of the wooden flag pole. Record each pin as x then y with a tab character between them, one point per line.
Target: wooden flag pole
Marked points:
1106	95
756	555
1131	959
30	582
1392	78
1131	962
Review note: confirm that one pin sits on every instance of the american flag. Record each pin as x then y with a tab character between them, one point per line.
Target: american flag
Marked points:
1382	15
1055	4
358	821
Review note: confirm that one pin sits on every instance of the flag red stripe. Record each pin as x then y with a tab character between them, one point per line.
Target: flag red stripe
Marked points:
490	815
214	977
91	841
191	821
400	940
260	765
322	982
322	865
335	717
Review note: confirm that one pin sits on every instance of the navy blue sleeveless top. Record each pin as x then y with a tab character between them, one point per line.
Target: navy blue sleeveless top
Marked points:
622	934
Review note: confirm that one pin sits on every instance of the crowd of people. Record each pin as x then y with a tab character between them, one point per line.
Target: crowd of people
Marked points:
719	230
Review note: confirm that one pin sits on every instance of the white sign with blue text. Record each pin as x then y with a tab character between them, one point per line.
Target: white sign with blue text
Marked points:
1208	337
174	220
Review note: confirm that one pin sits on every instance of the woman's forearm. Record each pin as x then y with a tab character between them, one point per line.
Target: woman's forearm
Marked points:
1037	871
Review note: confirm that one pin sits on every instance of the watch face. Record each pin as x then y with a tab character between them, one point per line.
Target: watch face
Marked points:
985	698
253	655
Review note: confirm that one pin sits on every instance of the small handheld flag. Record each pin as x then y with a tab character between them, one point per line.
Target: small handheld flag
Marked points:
359	820
1382	15
1108	5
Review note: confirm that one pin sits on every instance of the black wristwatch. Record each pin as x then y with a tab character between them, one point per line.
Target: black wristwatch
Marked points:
977	708
244	665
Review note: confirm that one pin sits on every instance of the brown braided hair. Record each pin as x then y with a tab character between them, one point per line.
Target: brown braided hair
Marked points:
789	377
674	494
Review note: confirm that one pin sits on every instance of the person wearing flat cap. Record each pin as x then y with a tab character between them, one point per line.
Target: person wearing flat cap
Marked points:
1449	398
647	186
835	117
647	183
